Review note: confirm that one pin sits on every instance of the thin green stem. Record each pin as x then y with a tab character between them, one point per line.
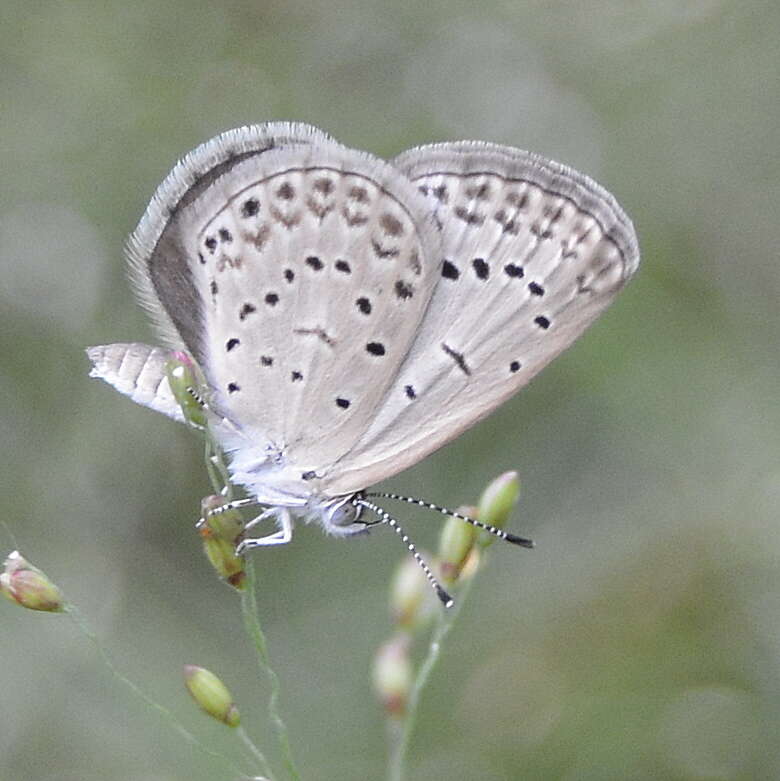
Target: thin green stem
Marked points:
175	724
256	753
220	479
445	620
255	632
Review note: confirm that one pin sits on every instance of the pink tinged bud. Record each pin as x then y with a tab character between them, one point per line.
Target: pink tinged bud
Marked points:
186	382
455	545
497	503
211	695
26	585
393	675
412	601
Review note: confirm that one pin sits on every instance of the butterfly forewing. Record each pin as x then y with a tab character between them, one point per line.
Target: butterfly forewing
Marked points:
310	268
158	266
532	252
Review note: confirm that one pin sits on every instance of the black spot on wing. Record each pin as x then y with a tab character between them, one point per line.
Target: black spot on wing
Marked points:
543	322
449	270
481	268
459	358
246	309
250	207
403	289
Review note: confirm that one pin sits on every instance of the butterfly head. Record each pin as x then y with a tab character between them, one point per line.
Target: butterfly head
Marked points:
341	515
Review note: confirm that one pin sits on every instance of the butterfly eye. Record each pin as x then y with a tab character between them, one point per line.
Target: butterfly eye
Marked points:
343	512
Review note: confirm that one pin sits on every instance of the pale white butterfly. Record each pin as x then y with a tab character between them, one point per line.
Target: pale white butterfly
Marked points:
352	315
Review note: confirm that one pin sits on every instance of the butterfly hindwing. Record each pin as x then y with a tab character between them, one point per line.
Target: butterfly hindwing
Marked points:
532	252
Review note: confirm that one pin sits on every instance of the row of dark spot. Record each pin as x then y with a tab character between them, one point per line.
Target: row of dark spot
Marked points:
372	348
482	271
376	349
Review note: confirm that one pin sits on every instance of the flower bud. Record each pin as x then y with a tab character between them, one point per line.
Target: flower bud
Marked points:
455	544
393	675
26	585
211	694
184	377
497	502
412	600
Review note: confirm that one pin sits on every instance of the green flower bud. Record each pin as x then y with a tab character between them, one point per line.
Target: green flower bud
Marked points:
497	502
412	601
26	585
184	377
211	695
455	545
393	675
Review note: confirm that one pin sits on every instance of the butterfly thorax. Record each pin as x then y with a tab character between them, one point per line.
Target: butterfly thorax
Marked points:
273	481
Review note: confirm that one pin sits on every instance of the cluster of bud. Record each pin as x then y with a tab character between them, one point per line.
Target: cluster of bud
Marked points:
412	601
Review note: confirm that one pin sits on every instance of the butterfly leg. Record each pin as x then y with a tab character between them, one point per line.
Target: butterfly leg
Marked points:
284	535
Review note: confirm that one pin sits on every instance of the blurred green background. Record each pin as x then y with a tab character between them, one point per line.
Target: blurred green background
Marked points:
641	639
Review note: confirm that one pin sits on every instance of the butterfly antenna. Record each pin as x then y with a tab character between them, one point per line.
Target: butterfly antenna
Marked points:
199	400
494	530
445	598
234	505
204	405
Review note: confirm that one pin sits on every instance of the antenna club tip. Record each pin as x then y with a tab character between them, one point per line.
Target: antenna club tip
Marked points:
524	542
445	598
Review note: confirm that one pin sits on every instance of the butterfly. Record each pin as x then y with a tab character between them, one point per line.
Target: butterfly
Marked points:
351	315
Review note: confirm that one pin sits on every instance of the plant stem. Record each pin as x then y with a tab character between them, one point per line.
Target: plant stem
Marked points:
218	473
445	620
255	632
177	726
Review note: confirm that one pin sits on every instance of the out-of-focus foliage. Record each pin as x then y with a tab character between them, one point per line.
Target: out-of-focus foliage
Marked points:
641	639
